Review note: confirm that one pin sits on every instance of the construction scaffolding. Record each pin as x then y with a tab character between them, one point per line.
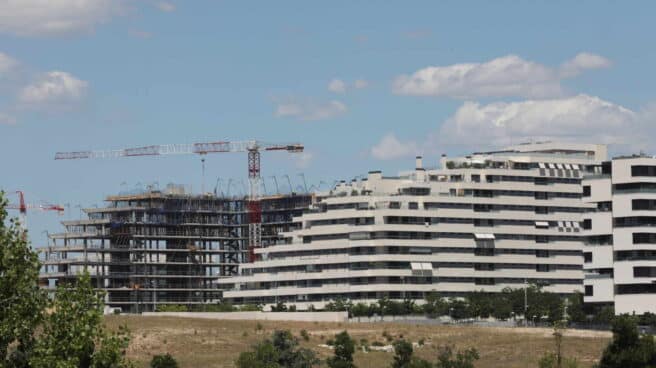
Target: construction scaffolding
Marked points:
164	247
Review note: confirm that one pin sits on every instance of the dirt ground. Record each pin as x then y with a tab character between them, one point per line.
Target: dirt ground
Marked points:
215	343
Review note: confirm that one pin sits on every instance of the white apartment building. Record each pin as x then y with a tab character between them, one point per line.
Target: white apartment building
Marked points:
485	221
620	255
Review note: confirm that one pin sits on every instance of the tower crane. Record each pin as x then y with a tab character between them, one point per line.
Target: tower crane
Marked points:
22	208
252	147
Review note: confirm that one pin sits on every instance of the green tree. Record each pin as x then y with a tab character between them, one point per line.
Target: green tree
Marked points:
575	309
21	300
163	361
435	306
403	357
344	348
628	349
280	351
461	359
402	354
73	335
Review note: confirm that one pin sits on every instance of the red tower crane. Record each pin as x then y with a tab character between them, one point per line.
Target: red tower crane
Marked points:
252	147
22	208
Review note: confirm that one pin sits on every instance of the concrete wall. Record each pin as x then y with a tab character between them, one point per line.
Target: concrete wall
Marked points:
259	316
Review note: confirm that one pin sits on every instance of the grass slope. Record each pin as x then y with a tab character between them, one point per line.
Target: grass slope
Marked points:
213	343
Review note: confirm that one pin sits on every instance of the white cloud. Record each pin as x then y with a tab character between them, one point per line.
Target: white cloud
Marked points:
55	17
55	88
310	110
6	119
340	86
337	86
7	63
360	84
582	62
390	148
165	6
579	117
501	77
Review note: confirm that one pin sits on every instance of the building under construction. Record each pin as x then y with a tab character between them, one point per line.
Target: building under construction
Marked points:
164	247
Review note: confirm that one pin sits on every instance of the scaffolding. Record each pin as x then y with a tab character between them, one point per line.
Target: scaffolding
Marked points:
164	247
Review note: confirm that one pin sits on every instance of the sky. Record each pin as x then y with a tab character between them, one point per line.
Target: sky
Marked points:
363	85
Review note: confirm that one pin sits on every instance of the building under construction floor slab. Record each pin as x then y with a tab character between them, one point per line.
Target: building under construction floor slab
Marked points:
164	247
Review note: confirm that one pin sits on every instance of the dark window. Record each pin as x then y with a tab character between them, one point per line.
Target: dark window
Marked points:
586	190
643	204
634	221
484	281
541	253
636	289
634	187
541	239
588	290
395	205
540	181
644	271
483	222
644	238
413	205
541	195
587	257
484	252
476	178
587	224
542	268
635	255
643	170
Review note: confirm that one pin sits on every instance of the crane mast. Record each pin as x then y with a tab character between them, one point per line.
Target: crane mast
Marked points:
252	147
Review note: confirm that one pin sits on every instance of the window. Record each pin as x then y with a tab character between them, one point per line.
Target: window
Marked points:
587	257
476	178
586	190
395	205
643	170
541	239
586	224
484	266
413	205
644	271
644	238
588	290
484	281
541	253
541	195
542	268
488	252
643	204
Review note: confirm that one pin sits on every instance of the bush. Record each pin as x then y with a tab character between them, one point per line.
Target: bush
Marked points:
461	359
281	350
172	308
628	348
344	349
305	335
163	361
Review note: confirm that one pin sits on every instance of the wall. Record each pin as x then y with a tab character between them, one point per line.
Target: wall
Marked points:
259	316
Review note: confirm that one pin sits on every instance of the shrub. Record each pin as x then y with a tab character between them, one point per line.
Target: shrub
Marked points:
344	349
305	335
172	308
163	361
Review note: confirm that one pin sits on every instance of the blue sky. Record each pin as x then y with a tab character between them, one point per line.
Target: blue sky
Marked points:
364	85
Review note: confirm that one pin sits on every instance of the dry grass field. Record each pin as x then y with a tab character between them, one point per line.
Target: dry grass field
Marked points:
213	343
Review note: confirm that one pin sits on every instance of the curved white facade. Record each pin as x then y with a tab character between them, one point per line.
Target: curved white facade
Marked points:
620	257
483	222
